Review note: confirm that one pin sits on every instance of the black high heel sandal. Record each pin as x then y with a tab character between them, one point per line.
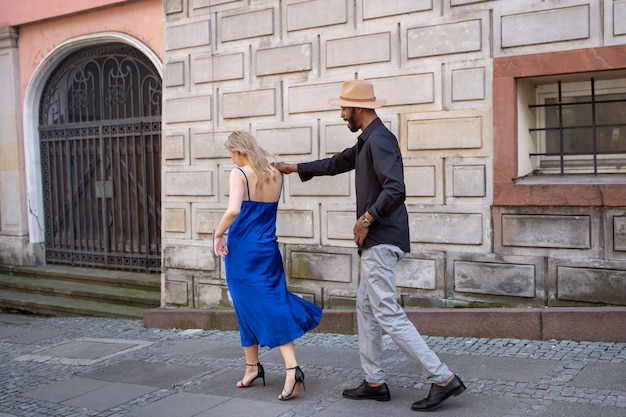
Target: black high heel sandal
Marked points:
299	380
260	374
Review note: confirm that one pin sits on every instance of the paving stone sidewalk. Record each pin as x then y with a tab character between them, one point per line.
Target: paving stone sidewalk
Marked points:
66	367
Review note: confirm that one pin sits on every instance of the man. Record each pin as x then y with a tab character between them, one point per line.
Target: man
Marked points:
381	233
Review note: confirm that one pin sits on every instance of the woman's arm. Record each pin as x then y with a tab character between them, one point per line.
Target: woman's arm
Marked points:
236	183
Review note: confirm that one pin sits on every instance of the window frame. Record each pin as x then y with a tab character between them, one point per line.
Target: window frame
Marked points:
509	137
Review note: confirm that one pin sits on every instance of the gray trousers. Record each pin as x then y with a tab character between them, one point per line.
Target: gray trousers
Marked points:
377	310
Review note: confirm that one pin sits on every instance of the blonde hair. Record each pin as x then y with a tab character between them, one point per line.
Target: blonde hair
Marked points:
246	144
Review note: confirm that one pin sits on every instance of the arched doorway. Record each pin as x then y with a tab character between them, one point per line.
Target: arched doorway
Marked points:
100	142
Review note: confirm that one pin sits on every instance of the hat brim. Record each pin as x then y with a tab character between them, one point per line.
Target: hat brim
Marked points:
360	104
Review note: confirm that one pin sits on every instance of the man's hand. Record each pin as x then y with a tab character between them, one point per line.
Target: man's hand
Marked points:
285	168
360	231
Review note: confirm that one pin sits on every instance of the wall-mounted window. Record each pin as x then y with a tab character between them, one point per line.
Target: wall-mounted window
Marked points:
573	124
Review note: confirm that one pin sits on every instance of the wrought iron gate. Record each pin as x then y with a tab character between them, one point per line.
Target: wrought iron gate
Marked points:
100	141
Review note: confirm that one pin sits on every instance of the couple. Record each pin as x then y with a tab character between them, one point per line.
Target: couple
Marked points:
267	313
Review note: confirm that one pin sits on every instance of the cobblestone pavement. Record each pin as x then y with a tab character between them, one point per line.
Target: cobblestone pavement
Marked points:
111	368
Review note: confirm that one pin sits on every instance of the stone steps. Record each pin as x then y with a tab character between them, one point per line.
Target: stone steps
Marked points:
69	291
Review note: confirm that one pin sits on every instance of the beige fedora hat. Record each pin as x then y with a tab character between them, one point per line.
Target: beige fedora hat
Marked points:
357	93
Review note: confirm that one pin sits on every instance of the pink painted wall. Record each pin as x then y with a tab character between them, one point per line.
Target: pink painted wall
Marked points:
19	12
140	19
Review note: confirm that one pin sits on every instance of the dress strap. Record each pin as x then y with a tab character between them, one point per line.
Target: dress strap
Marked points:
247	185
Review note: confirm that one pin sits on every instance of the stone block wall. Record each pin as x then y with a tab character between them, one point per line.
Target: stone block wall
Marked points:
269	67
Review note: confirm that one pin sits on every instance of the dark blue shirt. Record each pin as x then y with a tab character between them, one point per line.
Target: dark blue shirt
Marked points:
379	181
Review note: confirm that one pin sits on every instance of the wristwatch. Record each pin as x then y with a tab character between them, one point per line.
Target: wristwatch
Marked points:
365	222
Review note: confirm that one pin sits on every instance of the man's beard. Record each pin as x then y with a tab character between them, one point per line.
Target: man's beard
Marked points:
352	124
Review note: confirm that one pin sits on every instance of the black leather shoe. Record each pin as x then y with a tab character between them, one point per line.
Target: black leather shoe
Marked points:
367	392
439	394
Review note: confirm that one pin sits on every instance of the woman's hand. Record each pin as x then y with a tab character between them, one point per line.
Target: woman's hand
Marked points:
219	246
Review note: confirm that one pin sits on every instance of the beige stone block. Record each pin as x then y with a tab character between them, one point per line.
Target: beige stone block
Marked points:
284	60
619	233
448	133
591	285
175	74
409	89
366	49
337	185
205	220
545	26
199	4
211	295
175	220
188	183
547	231
188	109
469	181
189	257
468	84
174	147
286	141
321	266
417	273
446	228
176	292
312	98
444	39
209	69
295	223
420	181
487	278
206	145
373	9
619	18
247	25
339	224
173	6
316	13
188	35
337	137
249	103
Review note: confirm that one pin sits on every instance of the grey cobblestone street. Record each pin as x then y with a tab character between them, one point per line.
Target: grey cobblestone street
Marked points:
111	368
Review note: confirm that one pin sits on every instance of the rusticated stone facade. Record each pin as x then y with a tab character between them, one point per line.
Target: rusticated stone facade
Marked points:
448	70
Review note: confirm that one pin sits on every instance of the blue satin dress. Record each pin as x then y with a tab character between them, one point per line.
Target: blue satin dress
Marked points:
267	313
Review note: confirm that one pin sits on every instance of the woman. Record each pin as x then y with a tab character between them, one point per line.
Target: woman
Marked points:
267	314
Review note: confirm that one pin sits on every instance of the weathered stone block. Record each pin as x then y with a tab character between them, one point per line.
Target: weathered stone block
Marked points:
176	292
337	137
373	9
340	224
205	220
545	26
548	231
606	286
469	181
316	13
247	25
189	257
451	38
619	18
209	69
410	89
310	98
209	145
450	228
452	133
468	84
173	6
287	141
320	266
175	74
495	278
417	273
420	181
174	147
284	60
188	183
337	185
619	233
210	295
249	104
175	220
366	49
295	223
187	35
188	109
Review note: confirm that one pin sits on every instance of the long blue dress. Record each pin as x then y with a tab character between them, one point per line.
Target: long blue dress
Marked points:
267	313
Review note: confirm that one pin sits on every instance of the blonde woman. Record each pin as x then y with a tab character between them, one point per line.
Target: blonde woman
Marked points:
267	314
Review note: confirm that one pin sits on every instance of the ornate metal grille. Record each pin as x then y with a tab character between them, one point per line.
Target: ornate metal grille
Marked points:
100	139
